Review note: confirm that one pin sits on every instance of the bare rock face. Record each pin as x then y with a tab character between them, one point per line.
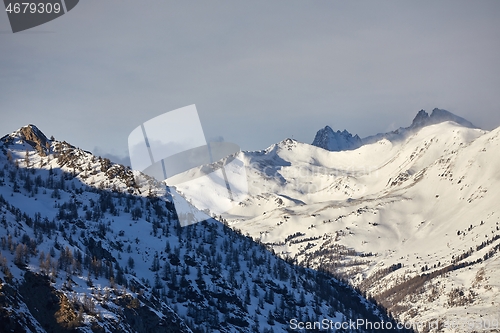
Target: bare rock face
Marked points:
35	138
328	139
420	119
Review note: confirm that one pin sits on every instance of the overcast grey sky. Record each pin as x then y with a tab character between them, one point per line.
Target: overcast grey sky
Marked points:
258	71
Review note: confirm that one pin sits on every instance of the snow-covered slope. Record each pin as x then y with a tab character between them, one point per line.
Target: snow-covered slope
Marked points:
91	246
413	222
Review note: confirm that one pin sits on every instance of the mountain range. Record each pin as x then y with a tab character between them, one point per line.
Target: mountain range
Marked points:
410	218
328	139
399	228
91	246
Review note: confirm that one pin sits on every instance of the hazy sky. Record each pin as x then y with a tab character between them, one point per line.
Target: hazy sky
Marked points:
258	71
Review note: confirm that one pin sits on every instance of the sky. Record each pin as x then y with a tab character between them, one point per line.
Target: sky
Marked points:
258	71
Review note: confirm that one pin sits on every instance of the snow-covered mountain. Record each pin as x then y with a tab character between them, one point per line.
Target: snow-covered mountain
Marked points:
422	119
327	139
411	219
91	246
437	116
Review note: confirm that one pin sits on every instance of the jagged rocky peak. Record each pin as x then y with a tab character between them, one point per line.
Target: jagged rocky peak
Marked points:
32	136
438	116
328	139
420	119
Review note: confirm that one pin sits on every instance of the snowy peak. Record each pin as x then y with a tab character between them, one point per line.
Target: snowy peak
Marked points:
330	140
421	120
437	116
31	135
29	147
